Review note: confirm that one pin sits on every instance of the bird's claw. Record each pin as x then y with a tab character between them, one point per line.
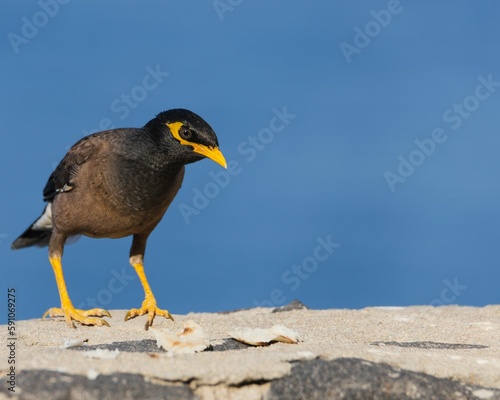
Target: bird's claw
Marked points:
85	317
148	307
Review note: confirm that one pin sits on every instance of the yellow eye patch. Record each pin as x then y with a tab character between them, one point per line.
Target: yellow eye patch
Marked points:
210	152
175	127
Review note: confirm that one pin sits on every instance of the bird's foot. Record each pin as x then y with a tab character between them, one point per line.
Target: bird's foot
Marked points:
148	307
85	317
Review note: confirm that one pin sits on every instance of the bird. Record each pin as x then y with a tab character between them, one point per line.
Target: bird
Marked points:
113	184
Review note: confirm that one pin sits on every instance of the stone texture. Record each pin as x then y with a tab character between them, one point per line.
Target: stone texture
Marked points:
390	352
294	305
353	378
150	346
52	385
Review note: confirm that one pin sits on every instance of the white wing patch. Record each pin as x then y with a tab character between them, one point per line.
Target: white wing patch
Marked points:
45	221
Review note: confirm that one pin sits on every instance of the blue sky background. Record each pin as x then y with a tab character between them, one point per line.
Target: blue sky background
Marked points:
433	239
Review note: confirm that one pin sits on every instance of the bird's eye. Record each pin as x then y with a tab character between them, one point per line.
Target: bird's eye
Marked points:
186	134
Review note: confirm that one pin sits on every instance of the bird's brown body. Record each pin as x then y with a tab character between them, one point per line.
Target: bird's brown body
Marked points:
124	203
114	184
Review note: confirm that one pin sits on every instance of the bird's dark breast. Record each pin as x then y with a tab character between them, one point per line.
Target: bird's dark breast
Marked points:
117	197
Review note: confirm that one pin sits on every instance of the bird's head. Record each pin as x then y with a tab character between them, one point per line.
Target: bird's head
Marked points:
191	136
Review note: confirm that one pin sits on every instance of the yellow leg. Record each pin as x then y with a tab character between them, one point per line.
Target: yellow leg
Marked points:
67	310
149	304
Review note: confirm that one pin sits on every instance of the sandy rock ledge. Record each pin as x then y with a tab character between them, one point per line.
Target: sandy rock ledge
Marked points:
447	352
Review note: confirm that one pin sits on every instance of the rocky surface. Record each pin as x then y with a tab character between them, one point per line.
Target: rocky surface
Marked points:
377	353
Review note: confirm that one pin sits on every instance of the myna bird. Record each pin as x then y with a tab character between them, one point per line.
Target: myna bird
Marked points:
118	183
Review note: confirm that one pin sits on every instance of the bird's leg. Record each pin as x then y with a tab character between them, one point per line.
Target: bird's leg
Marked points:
67	310
149	304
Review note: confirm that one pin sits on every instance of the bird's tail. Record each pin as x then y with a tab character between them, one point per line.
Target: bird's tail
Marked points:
38	234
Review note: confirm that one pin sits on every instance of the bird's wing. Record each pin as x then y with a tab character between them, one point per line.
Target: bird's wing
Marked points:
61	180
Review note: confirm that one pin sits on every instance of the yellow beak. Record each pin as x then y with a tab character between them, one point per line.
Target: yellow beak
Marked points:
210	152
